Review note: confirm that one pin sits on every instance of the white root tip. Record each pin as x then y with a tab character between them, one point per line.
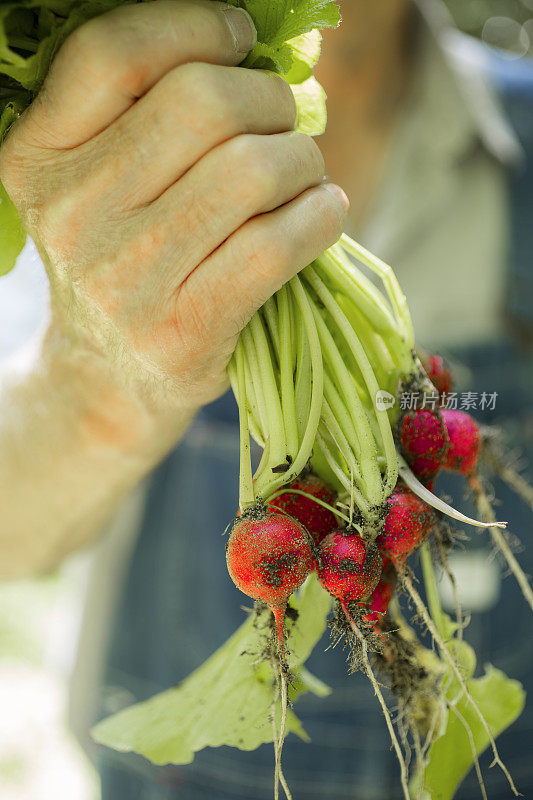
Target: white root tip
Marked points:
435	502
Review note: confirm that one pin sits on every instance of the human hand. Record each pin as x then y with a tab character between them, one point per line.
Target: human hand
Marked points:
167	193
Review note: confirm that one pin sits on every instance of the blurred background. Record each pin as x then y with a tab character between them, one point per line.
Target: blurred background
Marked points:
40	619
506	24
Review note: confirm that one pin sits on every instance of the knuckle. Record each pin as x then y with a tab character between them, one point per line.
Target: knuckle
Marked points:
85	43
103	51
200	89
251	168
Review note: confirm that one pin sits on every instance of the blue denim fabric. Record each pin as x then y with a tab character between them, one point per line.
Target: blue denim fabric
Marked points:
513	80
179	605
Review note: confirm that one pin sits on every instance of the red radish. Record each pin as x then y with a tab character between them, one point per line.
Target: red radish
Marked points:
318	520
438	373
348	571
379	601
268	558
424	442
407	524
465	442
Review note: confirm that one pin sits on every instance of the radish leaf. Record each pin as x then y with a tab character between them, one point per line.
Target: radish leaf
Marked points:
311	103
500	700
12	234
227	700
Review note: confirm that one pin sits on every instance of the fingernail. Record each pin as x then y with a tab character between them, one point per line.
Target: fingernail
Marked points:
242	29
339	193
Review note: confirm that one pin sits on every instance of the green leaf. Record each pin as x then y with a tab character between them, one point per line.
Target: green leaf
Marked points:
500	699
30	70
310	683
306	52
226	701
12	233
10	112
279	21
311	104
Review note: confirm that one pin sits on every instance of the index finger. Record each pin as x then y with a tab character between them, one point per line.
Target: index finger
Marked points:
112	60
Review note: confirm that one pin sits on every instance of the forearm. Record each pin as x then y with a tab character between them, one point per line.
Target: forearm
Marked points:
73	441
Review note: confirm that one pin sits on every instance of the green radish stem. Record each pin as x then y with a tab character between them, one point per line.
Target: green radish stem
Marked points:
485	509
253	365
423	613
375	685
453	584
246	489
369	469
288	401
302	390
376	346
253	423
371	302
432	592
356	495
342	416
267	483
276	426
396	296
254	415
332	463
366	369
271	316
355	284
363	505
23	43
336	432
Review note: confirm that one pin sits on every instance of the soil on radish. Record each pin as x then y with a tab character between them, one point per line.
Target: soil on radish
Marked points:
342	632
397	662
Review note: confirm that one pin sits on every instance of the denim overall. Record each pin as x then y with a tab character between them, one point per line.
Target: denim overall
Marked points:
178	604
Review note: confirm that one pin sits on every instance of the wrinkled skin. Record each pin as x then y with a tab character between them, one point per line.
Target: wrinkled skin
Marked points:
151	179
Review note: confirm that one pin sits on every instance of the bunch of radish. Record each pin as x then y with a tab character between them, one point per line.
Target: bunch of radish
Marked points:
345	488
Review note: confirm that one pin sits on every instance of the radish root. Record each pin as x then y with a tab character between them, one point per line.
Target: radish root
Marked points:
508	474
485	509
281	691
424	615
375	685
